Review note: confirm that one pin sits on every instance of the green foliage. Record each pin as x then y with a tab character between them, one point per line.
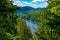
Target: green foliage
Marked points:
8	20
32	16
3	35
50	22
23	31
6	5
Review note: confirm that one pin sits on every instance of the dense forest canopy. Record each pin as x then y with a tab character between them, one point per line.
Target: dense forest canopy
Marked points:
13	27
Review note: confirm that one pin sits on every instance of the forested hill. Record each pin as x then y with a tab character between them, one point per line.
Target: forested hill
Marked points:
28	9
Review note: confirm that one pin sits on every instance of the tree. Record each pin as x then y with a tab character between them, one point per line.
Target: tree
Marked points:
3	35
23	31
8	19
50	22
7	6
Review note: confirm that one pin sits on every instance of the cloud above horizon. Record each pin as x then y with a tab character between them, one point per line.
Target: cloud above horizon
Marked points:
31	3
39	0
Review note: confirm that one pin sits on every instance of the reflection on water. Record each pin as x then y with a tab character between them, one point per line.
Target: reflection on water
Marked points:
33	26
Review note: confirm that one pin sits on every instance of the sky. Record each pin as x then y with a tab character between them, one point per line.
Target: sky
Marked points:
31	3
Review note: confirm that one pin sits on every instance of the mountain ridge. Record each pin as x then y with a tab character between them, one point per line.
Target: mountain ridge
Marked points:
27	9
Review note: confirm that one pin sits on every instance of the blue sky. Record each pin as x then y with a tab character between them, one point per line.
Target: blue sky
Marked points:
31	3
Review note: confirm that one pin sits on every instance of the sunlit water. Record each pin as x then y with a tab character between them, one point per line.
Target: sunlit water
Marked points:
33	26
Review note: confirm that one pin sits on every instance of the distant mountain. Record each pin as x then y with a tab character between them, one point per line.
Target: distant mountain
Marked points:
27	9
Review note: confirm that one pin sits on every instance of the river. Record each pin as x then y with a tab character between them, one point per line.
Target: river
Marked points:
33	26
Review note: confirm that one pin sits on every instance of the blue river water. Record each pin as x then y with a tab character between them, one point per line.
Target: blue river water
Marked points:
33	26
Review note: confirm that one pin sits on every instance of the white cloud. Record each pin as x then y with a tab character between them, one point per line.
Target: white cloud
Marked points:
38	0
31	4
